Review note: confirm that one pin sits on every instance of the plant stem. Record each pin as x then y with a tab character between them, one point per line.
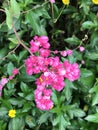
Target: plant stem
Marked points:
18	38
55	20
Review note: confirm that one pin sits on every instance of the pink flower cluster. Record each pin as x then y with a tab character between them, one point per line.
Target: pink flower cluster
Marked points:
4	81
52	71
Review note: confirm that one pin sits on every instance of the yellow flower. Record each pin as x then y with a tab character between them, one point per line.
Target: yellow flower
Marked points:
66	2
12	113
95	1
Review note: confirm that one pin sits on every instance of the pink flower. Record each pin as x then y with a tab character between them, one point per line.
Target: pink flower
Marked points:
1	87
69	52
34	48
55	52
0	94
11	77
43	39
52	1
82	62
64	53
42	99
72	71
4	81
29	70
44	52
15	71
81	48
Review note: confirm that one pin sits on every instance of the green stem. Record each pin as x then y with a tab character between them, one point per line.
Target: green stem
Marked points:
55	20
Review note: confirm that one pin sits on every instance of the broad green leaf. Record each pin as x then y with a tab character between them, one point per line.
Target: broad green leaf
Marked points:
88	25
73	40
8	18
3	125
55	121
25	77
16	124
15	101
22	55
3	111
95	99
30	121
27	106
92	55
86	80
92	118
13	40
54	98
3	52
34	20
10	67
94	39
24	87
68	89
78	113
30	96
63	123
94	92
44	117
15	9
74	111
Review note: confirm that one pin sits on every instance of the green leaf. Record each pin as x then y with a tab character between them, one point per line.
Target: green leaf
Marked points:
15	9
94	39
27	107
92	118
8	18
15	102
95	99
30	96
25	77
30	121
73	40
3	52
78	113
10	67
92	55
22	55
86	80
63	123
3	111
54	98
88	25
13	40
68	89
34	20
2	125
44	117
24	87
16	124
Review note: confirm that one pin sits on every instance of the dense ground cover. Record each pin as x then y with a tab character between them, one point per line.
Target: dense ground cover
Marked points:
48	65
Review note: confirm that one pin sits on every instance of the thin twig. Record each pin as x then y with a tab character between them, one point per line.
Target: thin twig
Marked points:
13	51
2	10
18	38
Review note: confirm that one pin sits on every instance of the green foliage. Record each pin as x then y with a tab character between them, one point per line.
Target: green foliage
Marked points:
68	27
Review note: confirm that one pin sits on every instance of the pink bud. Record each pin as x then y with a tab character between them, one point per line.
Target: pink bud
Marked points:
15	71
11	77
52	1
81	48
1	87
69	52
63	53
4	81
82	62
